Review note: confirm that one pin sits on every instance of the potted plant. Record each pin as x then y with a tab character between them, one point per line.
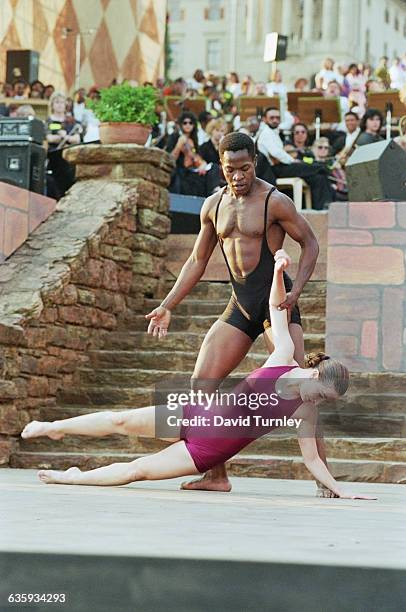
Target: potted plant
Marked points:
126	113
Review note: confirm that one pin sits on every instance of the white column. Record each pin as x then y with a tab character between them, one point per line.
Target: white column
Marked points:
233	35
287	17
250	21
346	20
308	20
328	21
268	25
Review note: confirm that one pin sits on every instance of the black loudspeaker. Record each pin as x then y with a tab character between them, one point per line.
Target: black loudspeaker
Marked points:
22	64
23	164
185	213
377	172
276	47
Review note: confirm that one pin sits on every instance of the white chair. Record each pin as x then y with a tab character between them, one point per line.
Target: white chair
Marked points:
299	187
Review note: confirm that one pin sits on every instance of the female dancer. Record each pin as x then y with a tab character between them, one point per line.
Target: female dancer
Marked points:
196	449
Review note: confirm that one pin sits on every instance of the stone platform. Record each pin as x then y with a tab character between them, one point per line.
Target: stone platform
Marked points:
270	543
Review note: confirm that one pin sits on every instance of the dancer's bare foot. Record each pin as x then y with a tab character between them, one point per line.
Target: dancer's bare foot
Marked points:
54	477
35	429
207	483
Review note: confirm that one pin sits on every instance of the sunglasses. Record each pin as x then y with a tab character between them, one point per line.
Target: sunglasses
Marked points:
323	147
187	122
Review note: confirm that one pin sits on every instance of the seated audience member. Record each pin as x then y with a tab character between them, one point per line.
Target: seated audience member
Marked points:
276	87
197	82
204	118
234	85
25	111
370	127
7	90
62	130
20	89
322	156
397	74
382	73
216	130
301	84
191	175
250	126
36	89
270	144
300	140
333	90
48	91
247	86
260	89
357	100
351	133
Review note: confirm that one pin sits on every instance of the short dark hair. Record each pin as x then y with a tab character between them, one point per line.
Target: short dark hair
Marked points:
352	114
370	114
237	141
269	108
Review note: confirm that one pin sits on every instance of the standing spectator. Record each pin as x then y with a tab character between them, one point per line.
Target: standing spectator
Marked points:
371	124
247	86
89	120
326	74
198	81
382	72
62	130
397	74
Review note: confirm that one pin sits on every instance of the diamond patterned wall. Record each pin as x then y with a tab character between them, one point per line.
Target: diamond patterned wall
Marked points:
119	38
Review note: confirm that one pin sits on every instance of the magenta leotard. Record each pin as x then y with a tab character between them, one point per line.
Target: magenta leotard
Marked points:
209	446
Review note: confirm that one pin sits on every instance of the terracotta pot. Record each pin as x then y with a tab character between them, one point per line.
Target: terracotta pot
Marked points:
124	133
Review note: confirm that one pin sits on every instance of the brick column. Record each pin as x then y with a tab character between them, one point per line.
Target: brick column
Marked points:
366	296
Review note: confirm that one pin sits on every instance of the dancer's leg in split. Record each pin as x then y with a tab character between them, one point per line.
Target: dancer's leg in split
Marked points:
137	421
171	462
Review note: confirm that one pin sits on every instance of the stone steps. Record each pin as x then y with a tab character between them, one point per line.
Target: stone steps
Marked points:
196	322
258	466
187	340
212	290
308	306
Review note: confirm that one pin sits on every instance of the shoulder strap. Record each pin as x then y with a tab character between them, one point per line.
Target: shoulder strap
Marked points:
270	192
217	207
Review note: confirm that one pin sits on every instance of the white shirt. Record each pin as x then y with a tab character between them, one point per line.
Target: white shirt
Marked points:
397	76
329	75
276	89
202	136
351	138
270	144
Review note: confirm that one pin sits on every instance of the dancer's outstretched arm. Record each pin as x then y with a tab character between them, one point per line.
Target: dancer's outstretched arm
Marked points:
307	442
283	343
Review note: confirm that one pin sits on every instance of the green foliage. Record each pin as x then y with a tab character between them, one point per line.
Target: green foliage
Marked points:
126	103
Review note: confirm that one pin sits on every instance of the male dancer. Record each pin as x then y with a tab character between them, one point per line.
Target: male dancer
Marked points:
249	219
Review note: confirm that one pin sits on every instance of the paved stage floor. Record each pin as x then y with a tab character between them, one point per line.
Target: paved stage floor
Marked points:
260	520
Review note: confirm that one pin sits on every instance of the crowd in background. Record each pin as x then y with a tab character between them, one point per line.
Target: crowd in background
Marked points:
286	147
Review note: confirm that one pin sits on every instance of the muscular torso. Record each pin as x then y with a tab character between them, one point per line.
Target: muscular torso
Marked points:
240	224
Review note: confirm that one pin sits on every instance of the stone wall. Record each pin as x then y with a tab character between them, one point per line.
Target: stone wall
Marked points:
366	295
78	277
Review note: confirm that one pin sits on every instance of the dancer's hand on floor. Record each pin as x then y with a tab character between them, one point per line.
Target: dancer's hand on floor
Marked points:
160	319
347	495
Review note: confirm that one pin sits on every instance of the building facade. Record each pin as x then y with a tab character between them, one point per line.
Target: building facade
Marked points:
229	35
119	38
